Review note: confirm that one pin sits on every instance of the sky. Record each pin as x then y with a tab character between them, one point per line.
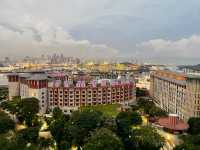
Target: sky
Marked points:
163	31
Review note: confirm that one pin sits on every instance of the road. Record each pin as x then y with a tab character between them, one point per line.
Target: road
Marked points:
171	140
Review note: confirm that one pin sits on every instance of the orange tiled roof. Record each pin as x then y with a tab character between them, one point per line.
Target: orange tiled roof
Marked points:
179	126
171	75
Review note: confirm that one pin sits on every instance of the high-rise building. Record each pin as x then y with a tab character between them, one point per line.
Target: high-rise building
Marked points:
176	93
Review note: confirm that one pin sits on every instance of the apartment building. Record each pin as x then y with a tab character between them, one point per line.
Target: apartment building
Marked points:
176	93
68	93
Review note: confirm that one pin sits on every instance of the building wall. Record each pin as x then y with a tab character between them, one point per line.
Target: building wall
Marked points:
24	90
13	86
192	107
41	95
72	98
14	89
180	96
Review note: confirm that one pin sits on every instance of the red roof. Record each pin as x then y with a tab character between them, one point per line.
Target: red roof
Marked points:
179	126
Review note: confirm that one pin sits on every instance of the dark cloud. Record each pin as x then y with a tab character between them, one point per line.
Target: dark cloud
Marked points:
11	27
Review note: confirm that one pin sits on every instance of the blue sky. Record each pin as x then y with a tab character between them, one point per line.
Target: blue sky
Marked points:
147	29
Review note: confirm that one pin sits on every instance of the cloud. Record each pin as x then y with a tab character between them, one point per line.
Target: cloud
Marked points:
35	37
99	28
182	48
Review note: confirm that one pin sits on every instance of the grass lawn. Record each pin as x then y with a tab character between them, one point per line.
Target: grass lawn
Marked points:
109	110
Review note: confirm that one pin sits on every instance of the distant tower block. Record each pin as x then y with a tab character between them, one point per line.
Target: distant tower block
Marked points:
13	85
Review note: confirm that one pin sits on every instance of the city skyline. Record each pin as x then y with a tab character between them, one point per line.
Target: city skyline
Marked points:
159	31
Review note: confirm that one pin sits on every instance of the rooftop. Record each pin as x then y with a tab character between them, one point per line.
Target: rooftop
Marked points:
176	124
38	77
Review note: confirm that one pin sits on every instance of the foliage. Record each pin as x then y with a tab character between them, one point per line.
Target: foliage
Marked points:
60	133
3	93
146	138
150	108
103	139
145	104
59	129
25	109
125	121
194	125
141	92
6	123
28	135
187	146
191	142
11	106
135	108
28	108
57	113
110	124
156	112
11	144
82	123
45	144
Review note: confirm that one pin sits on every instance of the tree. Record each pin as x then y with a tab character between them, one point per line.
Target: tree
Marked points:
141	92
103	139
135	107
145	104
194	125
45	144
59	129
82	123
11	106
156	112
125	121
57	113
191	142
146	138
135	118
186	146
110	124
88	119
28	135
150	108
6	123
10	144
28	108
3	93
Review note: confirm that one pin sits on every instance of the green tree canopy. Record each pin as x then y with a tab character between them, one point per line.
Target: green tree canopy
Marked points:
191	142
6	123
103	139
28	108
45	144
59	129
146	138
125	121
141	92
82	123
28	135
187	146
10	144
3	93
156	112
194	125
57	113
12	105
